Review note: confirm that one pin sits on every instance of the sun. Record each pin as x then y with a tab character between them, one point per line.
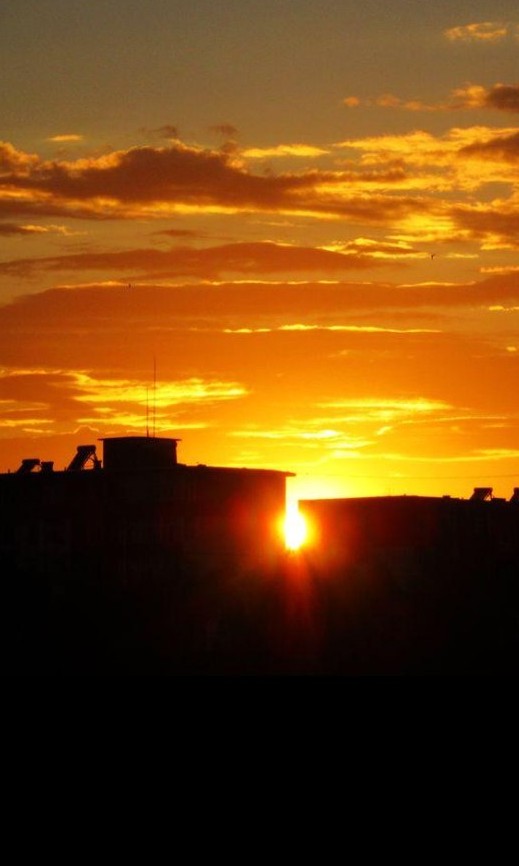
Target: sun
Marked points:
295	527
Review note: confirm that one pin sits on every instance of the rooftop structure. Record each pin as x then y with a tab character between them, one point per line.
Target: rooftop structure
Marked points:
139	510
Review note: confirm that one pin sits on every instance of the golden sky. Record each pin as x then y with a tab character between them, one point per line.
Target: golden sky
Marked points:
303	213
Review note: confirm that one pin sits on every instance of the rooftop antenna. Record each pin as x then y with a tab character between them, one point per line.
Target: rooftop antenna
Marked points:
154	393
147	412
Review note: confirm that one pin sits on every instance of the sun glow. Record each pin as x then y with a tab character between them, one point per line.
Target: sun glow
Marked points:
295	527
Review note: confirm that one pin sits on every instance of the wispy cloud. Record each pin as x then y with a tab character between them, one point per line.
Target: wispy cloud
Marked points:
502	97
67	138
209	262
227	130
308	436
17	229
28	397
101	392
480	31
282	150
389	409
499	97
354	329
336	435
167	131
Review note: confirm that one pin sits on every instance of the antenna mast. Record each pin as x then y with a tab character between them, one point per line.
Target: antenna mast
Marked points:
154	393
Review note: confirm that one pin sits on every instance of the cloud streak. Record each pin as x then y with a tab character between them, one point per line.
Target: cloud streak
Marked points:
210	263
498	97
486	32
67	138
29	396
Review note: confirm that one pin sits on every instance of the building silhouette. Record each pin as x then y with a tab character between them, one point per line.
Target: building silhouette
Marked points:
415	584
135	563
136	530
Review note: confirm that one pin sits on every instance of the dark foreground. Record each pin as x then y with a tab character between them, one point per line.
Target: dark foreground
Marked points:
297	619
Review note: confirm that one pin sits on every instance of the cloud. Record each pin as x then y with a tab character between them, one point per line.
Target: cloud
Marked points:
15	229
356	329
403	183
458	163
181	233
495	225
498	148
99	391
67	138
39	393
225	129
500	269
377	249
165	131
28	398
353	428
389	100
282	150
177	175
502	97
156	182
15	163
393	181
482	31
388	409
292	435
209	263
144	311
499	97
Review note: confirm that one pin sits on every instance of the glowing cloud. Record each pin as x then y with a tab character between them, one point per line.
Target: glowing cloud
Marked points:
482	31
165	394
301	150
503	97
181	179
499	97
65	139
389	409
29	395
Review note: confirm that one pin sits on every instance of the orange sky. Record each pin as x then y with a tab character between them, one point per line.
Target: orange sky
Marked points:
306	213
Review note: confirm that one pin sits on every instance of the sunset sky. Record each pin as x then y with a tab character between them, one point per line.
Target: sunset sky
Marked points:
303	213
